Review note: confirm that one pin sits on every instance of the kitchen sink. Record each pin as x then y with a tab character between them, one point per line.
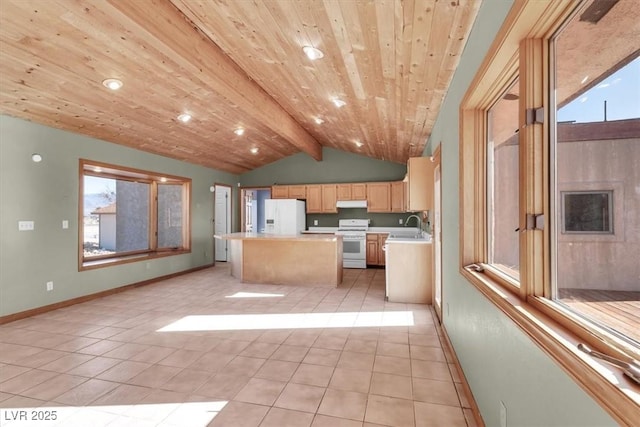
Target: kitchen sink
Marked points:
409	237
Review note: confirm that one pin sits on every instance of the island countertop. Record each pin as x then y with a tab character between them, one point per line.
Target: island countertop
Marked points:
280	259
267	236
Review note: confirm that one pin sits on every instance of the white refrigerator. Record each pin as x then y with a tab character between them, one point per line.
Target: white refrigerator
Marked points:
284	216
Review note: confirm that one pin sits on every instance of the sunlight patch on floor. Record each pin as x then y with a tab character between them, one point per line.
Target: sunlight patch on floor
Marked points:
234	322
253	295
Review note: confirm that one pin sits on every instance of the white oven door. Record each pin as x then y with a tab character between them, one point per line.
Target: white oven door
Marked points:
354	251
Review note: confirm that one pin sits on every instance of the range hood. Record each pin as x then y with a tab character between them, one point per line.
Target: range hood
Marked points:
351	204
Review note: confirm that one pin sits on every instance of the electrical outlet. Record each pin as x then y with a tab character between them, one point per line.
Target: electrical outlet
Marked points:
49	286
65	224
503	415
315	222
400	221
26	225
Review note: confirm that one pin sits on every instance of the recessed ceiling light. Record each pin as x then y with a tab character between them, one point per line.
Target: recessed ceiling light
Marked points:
318	120
37	158
312	53
97	169
163	179
358	143
584	80
239	131
254	150
338	102
113	84
184	117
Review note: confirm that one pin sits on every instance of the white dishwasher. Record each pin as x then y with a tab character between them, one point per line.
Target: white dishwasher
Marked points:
409	270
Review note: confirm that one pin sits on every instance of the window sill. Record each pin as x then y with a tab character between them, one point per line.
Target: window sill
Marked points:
606	384
110	262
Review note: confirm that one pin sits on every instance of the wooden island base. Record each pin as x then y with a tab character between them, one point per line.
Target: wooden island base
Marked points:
303	260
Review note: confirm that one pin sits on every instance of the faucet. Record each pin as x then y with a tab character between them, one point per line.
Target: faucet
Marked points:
406	221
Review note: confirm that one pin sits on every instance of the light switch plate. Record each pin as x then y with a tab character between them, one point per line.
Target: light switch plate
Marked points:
65	224
26	225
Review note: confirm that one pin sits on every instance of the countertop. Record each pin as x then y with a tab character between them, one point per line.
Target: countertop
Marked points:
331	230
265	236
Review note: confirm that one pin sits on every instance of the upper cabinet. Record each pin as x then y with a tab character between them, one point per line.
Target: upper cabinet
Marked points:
280	192
356	191
329	198
398	190
420	184
297	192
359	191
314	198
288	192
378	197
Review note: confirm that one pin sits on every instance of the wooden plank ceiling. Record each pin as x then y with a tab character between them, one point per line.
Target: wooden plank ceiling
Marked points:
235	64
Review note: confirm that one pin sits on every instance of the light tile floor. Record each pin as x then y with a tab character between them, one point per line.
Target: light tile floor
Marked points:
204	349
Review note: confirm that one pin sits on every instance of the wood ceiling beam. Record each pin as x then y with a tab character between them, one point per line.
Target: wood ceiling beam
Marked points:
169	26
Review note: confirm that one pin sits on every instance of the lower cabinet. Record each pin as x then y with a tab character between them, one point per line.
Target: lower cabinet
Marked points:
375	243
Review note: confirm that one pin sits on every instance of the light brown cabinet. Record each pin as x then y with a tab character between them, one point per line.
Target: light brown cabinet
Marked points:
378	197
288	192
329	198
420	184
314	198
352	191
297	192
375	253
398	190
280	192
359	191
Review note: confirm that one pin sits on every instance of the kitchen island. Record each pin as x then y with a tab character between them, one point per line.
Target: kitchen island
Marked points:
301	259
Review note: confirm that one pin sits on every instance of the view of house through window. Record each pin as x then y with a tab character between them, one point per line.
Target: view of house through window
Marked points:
131	212
597	167
503	183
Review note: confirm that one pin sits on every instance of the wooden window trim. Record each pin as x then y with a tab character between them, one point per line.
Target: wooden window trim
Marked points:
153	179
521	47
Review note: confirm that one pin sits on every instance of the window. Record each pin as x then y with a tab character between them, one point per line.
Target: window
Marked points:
587	212
572	187
502	178
129	214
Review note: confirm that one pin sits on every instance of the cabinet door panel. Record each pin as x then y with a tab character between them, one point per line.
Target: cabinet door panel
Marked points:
297	192
344	191
359	191
420	186
314	198
280	192
329	198
379	197
372	252
397	197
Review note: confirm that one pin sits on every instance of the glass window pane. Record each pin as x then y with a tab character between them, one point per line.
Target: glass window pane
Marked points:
132	216
503	181
169	216
99	220
597	167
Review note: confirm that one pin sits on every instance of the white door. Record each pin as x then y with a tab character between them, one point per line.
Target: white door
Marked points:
437	240
222	219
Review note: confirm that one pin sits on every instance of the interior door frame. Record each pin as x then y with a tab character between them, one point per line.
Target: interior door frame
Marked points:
242	211
229	213
437	222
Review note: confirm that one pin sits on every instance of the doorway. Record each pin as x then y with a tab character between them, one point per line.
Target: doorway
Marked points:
437	240
252	208
221	219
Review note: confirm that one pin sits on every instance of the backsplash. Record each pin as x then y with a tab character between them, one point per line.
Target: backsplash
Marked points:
377	219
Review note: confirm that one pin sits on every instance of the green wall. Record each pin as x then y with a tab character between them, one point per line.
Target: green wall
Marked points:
336	166
499	361
47	193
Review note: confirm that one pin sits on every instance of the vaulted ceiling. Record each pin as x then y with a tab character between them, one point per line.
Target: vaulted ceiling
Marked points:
234	64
